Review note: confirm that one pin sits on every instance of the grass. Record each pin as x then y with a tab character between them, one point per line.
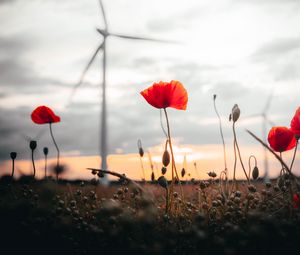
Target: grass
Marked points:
84	218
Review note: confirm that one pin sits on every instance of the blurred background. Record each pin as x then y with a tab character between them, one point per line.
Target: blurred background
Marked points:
246	52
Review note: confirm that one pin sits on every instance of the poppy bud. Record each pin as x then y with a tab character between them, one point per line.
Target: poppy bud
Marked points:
215	96
166	158
152	176
235	113
45	150
13	155
163	170
141	152
32	145
182	172
162	181
255	173
212	174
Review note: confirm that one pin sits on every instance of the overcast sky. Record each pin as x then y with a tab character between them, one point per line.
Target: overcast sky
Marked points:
239	50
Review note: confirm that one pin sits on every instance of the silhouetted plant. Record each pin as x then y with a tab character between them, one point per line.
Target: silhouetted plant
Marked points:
32	146
44	115
13	156
45	151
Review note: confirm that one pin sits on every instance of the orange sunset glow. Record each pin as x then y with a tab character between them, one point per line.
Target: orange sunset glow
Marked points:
207	158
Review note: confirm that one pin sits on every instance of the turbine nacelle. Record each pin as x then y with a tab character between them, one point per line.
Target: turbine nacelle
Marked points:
103	32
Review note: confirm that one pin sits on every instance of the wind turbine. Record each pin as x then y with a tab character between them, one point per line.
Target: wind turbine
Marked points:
105	33
265	122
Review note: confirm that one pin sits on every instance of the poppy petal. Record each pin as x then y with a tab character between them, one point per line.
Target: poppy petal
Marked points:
166	94
281	139
44	115
295	123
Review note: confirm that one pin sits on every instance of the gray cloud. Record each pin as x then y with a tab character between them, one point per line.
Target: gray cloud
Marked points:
278	48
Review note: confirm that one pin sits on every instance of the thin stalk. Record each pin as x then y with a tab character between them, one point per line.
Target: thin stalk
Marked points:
45	166
294	156
57	163
173	158
32	159
161	124
235	159
142	167
222	136
121	176
239	153
249	164
13	168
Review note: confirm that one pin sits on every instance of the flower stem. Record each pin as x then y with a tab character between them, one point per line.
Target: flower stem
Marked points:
32	159
239	153
235	158
57	164
294	156
173	159
45	166
249	164
13	168
222	136
143	170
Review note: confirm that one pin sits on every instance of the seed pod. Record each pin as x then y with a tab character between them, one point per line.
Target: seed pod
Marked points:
162	181
13	155
45	150
235	113
141	152
32	145
152	176
166	158
252	188
182	172
202	185
212	174
255	173
163	170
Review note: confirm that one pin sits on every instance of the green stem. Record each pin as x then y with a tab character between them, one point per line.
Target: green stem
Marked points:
45	166
239	153
57	164
32	159
13	168
173	159
249	164
294	156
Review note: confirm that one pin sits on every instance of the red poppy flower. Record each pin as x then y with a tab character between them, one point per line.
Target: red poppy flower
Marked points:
44	115
296	201
166	94
295	123
281	139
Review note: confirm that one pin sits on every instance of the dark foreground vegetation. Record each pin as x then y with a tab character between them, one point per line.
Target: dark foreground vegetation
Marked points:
45	217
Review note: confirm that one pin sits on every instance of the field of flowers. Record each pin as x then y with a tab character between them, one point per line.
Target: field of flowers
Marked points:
218	215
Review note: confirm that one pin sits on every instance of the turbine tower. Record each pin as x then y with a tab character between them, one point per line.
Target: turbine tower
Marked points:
265	122
105	33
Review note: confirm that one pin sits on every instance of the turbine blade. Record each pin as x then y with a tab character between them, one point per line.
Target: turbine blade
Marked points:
103	13
268	103
142	38
83	74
